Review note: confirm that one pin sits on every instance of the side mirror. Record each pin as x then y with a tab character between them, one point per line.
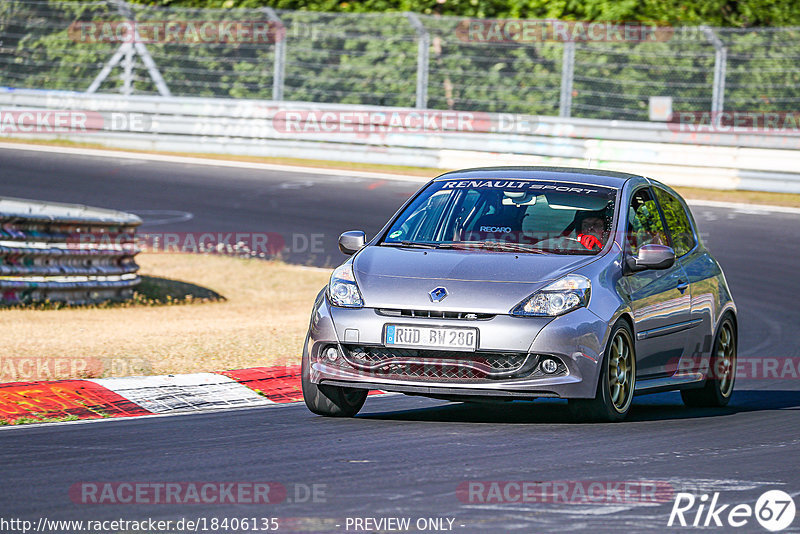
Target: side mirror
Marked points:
350	242
652	257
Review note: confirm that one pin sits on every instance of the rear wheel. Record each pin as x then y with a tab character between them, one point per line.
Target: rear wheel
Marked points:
616	383
721	374
332	401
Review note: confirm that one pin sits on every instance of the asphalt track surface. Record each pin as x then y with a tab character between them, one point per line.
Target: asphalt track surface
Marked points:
406	456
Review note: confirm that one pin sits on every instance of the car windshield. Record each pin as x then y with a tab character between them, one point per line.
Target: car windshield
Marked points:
507	216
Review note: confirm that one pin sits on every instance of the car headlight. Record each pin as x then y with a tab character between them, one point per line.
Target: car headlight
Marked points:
556	298
342	289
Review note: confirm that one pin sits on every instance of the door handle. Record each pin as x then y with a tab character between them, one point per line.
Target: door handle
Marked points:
682	286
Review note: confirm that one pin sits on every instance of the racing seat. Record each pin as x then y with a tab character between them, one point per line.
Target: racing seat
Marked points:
504	225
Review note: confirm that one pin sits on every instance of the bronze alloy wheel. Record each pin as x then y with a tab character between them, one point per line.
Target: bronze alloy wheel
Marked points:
725	364
616	383
620	371
718	387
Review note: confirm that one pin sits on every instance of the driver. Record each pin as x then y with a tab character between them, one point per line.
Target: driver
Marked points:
592	231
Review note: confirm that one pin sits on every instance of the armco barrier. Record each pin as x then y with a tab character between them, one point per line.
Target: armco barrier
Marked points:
723	160
65	253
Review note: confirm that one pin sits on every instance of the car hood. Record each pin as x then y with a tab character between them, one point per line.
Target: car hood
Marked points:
480	281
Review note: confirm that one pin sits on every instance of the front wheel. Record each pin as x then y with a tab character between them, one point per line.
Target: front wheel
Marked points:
332	401
616	383
721	374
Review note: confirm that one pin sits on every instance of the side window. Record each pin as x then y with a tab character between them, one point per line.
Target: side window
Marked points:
677	222
644	222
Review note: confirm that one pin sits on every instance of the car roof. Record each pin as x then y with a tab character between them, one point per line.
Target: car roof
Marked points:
556	174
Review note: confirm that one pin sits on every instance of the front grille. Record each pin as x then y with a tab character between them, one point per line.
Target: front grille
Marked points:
435	314
440	365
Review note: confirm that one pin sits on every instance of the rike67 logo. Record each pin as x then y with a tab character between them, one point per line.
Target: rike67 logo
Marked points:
774	510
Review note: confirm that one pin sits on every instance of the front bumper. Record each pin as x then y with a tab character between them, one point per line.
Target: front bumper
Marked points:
575	340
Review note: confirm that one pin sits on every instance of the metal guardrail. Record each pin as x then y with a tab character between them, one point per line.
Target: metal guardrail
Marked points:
65	253
252	118
250	127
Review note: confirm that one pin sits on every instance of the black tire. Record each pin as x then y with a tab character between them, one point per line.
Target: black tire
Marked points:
717	390
614	395
331	401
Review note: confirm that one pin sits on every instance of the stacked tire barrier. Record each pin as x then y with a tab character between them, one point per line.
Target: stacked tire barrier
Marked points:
52	252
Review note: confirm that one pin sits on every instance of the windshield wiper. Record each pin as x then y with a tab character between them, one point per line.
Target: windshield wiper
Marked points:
478	245
409	244
511	247
493	245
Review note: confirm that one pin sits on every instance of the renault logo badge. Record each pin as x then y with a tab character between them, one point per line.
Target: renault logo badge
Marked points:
438	294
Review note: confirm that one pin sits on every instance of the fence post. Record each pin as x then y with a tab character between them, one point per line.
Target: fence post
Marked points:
279	66
110	64
423	59
152	69
567	73
720	66
126	49
127	72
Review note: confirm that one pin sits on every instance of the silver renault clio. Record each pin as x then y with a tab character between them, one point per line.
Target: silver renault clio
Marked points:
517	283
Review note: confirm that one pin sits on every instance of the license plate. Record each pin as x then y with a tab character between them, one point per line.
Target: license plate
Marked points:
432	337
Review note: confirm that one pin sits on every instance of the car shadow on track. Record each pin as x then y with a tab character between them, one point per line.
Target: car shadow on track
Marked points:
656	407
